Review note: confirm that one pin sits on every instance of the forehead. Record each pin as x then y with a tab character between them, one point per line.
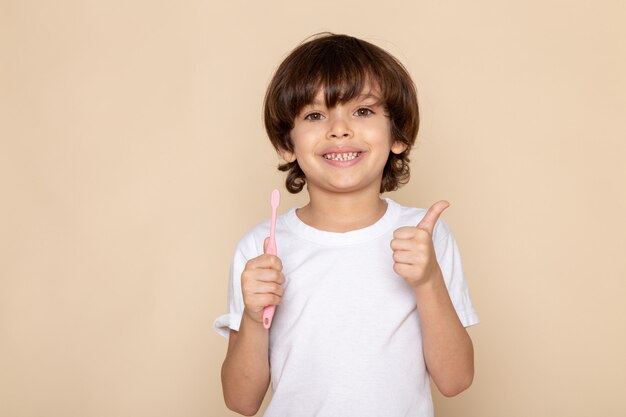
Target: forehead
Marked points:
340	93
366	94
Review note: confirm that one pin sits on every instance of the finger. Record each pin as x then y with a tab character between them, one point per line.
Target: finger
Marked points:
432	215
262	287
408	257
402	257
257	302
265	261
267	300
403	244
266	275
404	232
265	243
270	275
404	270
269	288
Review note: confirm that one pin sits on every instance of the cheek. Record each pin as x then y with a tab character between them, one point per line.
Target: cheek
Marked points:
303	140
379	137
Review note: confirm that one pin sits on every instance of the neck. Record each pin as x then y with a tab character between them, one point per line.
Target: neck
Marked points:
342	212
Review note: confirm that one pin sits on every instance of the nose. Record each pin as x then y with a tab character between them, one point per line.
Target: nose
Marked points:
339	129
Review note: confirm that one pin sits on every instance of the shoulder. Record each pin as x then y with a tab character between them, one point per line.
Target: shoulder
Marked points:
250	244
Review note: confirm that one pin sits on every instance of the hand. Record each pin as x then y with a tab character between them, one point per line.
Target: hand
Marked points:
261	284
413	249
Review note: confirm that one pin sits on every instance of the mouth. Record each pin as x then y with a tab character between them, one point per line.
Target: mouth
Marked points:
345	156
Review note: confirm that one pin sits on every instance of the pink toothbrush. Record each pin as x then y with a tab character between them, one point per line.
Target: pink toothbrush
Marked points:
268	312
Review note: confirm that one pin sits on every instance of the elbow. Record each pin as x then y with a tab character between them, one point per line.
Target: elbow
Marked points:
454	388
237	398
241	407
242	411
241	404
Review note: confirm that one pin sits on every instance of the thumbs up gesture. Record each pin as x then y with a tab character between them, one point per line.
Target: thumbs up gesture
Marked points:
413	249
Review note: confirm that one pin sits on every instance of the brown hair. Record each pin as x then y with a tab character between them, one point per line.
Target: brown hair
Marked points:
342	66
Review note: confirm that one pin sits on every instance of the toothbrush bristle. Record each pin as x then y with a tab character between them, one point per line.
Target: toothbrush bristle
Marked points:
275	198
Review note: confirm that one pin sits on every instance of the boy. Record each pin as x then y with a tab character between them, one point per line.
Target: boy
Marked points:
371	295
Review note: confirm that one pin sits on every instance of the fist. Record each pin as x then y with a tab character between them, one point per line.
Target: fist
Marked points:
413	250
261	284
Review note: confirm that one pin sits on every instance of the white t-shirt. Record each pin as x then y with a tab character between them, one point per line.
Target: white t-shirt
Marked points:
346	339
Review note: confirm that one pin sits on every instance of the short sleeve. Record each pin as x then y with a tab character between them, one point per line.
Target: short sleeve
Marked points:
449	259
232	319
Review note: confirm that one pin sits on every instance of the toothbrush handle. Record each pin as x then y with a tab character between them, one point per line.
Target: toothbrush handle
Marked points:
271	246
268	311
268	315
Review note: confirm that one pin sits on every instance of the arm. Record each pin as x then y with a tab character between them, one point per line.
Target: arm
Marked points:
246	369
448	349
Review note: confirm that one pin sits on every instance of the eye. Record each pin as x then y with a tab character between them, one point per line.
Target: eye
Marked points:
314	116
364	112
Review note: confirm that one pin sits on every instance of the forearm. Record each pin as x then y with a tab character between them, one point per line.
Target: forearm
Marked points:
246	370
448	349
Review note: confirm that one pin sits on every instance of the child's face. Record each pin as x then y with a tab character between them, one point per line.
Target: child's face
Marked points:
343	148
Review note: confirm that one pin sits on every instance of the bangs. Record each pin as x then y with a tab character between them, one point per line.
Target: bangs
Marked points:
343	74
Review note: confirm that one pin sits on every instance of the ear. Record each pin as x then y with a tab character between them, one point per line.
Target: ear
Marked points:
398	147
287	156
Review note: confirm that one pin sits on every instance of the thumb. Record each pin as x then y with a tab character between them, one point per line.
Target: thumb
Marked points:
432	215
265	243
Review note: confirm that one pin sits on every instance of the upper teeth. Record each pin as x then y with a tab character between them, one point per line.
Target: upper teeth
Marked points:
341	156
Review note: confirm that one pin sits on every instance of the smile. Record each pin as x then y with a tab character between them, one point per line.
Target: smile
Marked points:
347	156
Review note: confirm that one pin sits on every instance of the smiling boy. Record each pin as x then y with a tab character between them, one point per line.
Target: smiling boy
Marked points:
371	295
